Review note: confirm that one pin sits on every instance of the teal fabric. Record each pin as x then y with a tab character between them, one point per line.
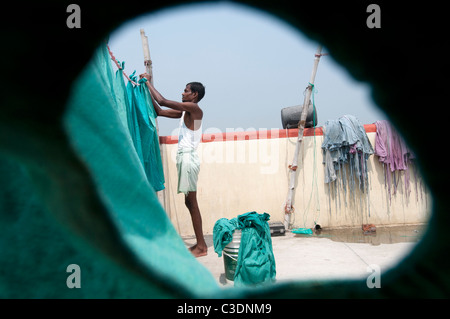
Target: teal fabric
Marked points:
84	198
256	261
36	249
305	231
123	181
223	233
141	121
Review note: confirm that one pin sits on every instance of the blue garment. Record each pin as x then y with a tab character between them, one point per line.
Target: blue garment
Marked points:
346	142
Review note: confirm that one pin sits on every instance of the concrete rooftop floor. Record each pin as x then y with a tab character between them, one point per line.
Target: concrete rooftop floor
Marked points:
330	254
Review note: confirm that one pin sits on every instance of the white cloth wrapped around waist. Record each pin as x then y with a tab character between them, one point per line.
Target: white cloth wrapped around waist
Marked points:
188	168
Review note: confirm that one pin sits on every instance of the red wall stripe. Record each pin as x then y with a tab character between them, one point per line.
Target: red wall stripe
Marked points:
252	135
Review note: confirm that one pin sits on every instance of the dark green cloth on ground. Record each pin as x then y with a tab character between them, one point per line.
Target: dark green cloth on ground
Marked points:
256	261
223	233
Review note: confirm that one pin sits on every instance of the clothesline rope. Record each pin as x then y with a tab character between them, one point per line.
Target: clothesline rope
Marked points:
120	67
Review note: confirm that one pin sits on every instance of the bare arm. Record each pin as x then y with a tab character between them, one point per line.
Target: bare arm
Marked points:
165	112
174	105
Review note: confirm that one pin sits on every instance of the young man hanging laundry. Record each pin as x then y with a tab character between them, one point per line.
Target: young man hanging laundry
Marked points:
188	164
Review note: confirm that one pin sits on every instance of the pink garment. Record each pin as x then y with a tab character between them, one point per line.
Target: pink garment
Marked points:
393	153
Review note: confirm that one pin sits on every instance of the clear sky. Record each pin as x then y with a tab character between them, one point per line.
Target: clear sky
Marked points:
252	64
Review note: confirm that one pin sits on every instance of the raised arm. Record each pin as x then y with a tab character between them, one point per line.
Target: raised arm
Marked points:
156	100
165	112
174	105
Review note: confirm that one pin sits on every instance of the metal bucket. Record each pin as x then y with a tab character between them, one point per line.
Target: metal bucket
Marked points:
230	254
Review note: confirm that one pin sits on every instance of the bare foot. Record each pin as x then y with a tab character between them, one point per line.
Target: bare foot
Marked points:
198	252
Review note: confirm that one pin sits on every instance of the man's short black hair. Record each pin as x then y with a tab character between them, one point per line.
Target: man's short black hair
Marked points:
199	88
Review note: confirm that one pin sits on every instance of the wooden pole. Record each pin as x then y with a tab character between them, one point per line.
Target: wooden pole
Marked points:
289	208
149	70
148	63
147	59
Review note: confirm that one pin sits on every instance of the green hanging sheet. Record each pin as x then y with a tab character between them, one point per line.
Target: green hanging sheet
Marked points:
83	197
142	126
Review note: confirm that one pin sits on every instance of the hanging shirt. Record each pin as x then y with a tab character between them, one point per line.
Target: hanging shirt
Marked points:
187	138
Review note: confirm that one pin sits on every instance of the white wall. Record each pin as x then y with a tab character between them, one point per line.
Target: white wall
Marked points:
248	171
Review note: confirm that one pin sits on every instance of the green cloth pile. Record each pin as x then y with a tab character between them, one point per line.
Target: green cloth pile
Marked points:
256	262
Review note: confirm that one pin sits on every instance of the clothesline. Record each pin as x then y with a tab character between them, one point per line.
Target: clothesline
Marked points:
120	67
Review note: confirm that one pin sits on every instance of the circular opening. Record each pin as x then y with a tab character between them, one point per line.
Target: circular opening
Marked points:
253	65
